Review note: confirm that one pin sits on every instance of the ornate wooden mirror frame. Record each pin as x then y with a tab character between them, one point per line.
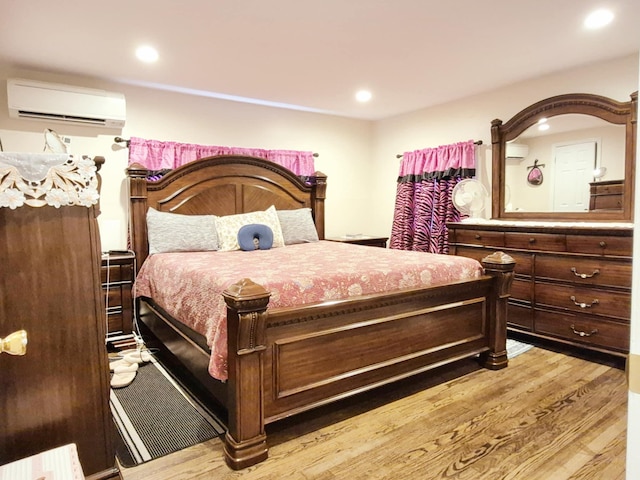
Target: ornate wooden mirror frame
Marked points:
609	110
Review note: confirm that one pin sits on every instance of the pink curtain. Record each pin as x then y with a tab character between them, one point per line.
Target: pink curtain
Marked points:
423	198
156	155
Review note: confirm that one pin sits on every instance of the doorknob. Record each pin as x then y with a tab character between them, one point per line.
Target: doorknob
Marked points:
14	344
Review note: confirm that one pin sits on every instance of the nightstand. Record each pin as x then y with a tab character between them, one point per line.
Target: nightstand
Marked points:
362	240
117	281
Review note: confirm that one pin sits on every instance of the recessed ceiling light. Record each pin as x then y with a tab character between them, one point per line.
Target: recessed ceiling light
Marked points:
147	54
363	96
598	19
543	126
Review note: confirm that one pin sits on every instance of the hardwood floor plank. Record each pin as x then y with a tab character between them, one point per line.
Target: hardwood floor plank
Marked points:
548	416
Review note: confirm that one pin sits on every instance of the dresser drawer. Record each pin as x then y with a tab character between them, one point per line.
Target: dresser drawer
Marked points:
582	299
116	273
600	245
606	201
115	319
479	237
521	289
607	188
584	329
581	270
524	262
477	253
535	241
113	296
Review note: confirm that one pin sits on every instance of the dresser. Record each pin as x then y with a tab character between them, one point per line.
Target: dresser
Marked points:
572	281
116	275
58	392
606	195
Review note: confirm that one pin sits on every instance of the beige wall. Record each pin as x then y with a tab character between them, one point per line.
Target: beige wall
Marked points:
343	145
358	156
470	118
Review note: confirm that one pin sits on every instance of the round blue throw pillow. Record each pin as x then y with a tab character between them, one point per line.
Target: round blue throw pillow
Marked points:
254	236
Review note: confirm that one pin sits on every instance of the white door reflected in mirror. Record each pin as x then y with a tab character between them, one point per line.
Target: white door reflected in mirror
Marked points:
573	170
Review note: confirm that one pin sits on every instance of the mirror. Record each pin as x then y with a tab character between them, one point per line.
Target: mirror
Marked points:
578	166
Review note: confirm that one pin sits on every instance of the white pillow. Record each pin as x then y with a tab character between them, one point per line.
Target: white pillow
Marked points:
297	226
228	226
173	232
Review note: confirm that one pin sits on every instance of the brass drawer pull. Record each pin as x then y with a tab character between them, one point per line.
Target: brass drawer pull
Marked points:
532	240
478	236
603	244
14	344
584	305
584	275
580	333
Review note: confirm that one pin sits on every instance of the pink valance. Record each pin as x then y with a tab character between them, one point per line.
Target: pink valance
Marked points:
445	160
158	155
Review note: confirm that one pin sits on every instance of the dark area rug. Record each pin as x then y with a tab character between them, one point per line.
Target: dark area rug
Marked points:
154	416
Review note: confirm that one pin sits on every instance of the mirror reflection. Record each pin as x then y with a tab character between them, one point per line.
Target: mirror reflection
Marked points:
553	165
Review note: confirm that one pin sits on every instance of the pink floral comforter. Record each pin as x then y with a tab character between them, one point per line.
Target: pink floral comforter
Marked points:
189	285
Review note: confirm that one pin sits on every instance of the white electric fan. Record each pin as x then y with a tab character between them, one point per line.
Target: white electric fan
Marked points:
470	197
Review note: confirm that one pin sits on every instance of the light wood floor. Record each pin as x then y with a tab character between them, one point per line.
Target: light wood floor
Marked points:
548	416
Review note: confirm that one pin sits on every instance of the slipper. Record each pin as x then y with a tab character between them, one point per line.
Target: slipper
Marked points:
133	357
137	356
123	376
123	365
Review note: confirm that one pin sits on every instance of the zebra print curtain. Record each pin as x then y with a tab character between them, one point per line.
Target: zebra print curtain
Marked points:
423	198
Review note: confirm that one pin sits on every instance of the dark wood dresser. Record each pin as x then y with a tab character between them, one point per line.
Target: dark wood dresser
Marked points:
572	282
607	195
117	279
58	392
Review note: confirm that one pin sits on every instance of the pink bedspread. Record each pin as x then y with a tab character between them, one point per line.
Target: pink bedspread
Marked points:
189	285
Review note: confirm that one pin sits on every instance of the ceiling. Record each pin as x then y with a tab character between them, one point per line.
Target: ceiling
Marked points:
314	55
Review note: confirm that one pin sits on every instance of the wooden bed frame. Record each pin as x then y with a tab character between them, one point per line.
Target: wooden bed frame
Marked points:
355	345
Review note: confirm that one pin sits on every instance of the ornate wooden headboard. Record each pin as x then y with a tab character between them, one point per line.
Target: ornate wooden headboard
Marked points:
221	185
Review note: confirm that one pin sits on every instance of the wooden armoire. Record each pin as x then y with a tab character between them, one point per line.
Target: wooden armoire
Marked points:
58	392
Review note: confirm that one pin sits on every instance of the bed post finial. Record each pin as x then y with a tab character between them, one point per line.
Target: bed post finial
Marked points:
500	266
245	443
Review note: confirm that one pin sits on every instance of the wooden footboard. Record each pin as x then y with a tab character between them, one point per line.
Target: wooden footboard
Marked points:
290	360
285	361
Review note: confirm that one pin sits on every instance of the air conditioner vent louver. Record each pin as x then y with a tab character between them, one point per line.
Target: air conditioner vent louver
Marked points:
61	117
65	104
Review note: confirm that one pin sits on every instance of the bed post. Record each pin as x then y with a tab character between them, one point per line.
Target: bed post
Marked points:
317	197
245	443
137	175
500	266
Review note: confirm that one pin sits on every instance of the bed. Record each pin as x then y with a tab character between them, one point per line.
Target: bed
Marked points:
283	360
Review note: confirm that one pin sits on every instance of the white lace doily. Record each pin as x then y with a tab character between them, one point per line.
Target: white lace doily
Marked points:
38	179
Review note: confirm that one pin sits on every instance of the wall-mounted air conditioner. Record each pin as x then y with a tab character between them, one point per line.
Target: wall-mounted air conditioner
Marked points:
64	103
517	150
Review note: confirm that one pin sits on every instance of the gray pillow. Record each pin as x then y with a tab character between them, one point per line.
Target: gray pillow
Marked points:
297	226
172	232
